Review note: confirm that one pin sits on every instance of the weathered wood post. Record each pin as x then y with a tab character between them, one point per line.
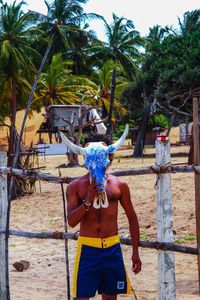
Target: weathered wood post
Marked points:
166	260
3	217
196	155
66	240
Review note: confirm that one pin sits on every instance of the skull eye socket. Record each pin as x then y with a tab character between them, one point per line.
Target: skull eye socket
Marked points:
111	157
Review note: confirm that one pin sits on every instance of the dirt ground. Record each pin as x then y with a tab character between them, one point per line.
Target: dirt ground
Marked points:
46	277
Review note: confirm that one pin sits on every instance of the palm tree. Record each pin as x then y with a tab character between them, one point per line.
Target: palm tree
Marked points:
100	85
191	22
16	63
16	71
155	38
63	23
56	85
123	48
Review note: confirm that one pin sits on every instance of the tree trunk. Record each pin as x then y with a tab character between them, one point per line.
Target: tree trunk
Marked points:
11	150
171	124
26	115
112	98
30	101
142	131
13	133
72	157
191	151
15	159
12	140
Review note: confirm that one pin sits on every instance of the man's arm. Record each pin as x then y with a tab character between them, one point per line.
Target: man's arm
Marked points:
133	225
76	211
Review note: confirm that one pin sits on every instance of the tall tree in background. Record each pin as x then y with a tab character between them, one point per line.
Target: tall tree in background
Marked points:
180	73
95	90
190	23
148	82
123	48
16	66
170	72
56	85
63	23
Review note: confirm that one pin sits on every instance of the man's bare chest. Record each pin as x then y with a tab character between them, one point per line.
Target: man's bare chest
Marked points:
113	192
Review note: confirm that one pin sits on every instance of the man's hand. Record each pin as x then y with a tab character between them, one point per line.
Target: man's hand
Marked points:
93	190
136	263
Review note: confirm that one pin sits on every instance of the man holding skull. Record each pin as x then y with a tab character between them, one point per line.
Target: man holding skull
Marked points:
92	202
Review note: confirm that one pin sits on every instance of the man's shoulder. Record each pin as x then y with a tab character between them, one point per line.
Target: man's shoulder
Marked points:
80	180
116	180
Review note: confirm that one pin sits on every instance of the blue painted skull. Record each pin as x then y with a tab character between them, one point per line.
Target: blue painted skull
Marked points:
97	161
96	155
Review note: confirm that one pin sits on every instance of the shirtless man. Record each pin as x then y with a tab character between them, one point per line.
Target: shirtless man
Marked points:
99	264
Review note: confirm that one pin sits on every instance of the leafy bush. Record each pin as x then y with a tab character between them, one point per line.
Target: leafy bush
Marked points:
160	120
118	132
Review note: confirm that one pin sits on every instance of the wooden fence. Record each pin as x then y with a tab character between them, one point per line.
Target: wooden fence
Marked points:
163	170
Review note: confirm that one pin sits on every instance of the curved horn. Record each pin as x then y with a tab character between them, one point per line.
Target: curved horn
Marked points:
114	147
74	148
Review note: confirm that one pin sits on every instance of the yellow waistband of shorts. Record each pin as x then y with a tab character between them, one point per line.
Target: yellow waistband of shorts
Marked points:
99	242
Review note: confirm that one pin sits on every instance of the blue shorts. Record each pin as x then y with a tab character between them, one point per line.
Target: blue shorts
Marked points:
99	267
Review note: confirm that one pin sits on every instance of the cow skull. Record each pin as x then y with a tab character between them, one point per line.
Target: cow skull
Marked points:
97	161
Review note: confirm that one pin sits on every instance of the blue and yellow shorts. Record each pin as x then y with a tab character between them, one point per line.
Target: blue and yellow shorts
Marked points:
99	267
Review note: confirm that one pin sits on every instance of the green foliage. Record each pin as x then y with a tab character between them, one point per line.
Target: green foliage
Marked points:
81	137
170	70
132	98
160	120
63	24
56	85
16	58
123	45
118	131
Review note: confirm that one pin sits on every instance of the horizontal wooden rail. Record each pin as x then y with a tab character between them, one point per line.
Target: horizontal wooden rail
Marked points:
151	155
59	235
33	174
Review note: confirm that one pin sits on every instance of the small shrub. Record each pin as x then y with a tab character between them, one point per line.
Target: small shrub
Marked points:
161	120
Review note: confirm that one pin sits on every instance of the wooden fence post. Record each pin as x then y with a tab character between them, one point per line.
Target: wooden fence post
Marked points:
196	143
166	260
3	217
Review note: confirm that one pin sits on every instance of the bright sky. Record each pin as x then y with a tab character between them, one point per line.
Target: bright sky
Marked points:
143	13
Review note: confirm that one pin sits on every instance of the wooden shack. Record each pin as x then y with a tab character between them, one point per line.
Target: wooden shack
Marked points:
58	118
59	115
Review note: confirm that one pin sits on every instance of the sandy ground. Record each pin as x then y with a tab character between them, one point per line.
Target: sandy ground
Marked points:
46	277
